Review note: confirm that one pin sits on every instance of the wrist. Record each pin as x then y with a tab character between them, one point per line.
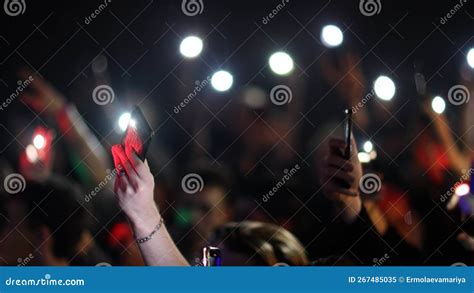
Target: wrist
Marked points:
144	223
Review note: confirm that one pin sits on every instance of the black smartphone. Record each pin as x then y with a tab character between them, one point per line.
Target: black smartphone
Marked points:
211	257
348	134
138	135
347	152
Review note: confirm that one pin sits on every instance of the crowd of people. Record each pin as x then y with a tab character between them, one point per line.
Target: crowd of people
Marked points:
260	201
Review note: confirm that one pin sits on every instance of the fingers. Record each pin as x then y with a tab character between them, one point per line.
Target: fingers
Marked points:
122	163
332	188
340	163
332	173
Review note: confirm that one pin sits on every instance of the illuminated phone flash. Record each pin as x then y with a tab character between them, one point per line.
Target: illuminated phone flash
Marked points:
39	141
462	189
31	153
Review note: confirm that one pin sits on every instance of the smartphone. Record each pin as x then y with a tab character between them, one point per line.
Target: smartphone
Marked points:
347	152
211	257
348	134
138	135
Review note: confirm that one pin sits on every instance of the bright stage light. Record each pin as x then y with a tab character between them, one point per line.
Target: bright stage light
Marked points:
39	141
191	47
470	58
222	81
331	36
281	63
438	104
384	88
462	189
368	146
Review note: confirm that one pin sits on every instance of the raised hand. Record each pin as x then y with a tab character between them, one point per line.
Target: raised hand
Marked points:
340	178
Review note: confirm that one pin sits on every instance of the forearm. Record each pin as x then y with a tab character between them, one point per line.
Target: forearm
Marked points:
161	249
457	159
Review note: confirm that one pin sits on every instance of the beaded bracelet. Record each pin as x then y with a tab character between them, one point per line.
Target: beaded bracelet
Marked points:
149	237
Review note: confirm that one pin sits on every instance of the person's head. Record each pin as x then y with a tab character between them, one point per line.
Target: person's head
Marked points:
251	243
209	207
44	223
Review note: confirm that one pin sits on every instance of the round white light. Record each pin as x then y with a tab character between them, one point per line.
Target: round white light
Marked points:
363	157
470	58
124	120
384	88
331	36
222	81
281	63
368	146
39	141
191	47
462	189
438	104
31	153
